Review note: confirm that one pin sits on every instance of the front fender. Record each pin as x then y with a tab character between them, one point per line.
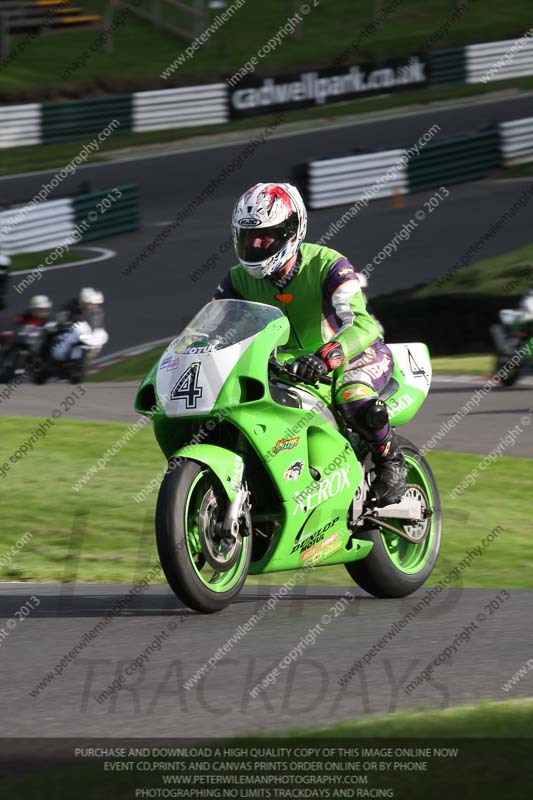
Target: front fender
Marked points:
226	465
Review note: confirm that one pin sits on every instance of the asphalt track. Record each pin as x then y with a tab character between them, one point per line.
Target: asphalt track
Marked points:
479	432
160	296
154	702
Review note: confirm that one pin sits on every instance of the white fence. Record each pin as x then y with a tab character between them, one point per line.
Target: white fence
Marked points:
28	229
344	180
517	141
180	108
499	61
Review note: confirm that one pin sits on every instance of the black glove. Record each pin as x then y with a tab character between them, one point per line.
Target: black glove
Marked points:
309	368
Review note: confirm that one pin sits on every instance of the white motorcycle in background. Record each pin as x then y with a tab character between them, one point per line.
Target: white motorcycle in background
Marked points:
70	351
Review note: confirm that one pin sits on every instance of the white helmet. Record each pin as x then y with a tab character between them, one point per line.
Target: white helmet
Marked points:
86	294
5	261
40	304
268	226
91	297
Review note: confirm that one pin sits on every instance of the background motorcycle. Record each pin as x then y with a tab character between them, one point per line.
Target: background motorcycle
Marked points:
18	350
512	336
78	344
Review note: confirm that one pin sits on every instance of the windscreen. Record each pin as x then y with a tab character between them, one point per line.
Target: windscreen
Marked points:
222	323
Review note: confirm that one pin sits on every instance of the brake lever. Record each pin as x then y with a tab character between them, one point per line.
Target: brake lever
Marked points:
282	369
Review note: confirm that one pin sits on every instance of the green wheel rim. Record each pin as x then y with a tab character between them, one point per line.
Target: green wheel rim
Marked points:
408	557
214	580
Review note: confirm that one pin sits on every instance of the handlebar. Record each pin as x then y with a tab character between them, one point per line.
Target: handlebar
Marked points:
282	369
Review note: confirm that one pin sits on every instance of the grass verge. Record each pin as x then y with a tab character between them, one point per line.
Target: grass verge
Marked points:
36	260
116	532
510	718
508	274
329	30
132	368
470	364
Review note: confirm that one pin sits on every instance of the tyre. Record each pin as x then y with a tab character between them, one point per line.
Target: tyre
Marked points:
205	571
510	374
396	567
77	374
8	368
39	373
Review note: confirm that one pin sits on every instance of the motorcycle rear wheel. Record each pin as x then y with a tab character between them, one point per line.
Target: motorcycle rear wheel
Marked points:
204	571
396	567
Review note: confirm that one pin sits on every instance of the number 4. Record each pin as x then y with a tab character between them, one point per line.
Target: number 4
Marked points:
186	388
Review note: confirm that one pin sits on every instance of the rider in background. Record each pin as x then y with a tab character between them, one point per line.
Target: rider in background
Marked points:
526	306
320	293
83	315
37	312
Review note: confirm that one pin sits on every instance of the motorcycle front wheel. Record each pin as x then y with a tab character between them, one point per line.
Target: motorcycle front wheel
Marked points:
205	570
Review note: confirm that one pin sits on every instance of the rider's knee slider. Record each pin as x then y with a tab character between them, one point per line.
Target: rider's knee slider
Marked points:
372	415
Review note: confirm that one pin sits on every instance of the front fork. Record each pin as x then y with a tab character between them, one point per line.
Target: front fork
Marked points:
239	508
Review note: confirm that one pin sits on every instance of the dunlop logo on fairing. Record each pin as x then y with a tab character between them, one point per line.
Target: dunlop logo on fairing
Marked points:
313	537
322	490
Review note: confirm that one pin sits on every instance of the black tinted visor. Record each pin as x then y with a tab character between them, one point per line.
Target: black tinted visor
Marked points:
255	245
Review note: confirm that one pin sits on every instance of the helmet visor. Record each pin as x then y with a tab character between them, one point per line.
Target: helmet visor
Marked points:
259	244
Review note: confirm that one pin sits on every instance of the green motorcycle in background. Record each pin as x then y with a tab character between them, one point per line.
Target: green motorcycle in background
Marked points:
264	476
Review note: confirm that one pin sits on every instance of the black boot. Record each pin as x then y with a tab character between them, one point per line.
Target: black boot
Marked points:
389	485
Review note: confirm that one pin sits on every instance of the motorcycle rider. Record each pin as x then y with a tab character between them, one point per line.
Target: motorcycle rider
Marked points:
37	313
34	317
83	315
526	306
510	333
320	293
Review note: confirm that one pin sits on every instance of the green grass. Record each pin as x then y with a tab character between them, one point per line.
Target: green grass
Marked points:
510	718
507	274
130	369
118	543
328	30
521	171
33	260
471	364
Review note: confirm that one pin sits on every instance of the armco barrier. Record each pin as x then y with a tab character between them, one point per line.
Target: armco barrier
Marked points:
447	66
80	119
61	223
457	159
517	141
121	216
343	180
20	125
29	229
499	61
180	108
454	160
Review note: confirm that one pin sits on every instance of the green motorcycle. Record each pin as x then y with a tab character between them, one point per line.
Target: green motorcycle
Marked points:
264	476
